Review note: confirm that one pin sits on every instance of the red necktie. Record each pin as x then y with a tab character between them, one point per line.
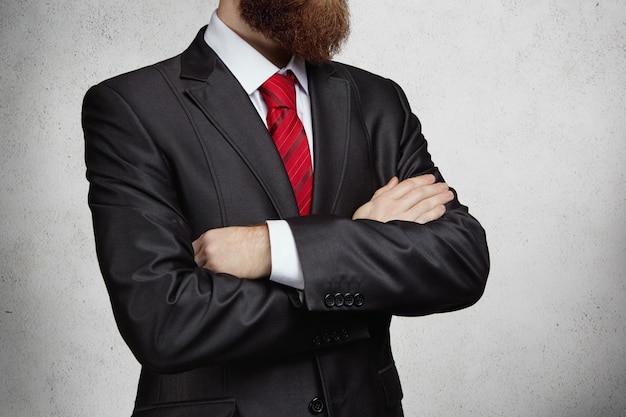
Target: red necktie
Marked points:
289	136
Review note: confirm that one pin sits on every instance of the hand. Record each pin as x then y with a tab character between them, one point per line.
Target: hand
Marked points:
417	199
242	251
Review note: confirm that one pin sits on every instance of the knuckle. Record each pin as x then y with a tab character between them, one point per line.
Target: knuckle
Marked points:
418	193
424	179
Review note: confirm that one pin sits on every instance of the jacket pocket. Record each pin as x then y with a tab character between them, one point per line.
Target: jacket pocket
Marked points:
214	408
391	385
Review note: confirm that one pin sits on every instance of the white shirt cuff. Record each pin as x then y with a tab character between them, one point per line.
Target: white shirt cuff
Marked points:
286	268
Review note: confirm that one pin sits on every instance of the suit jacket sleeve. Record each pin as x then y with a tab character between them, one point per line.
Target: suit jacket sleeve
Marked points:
398	267
173	315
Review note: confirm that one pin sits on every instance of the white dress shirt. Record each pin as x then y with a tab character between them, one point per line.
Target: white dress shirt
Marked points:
252	69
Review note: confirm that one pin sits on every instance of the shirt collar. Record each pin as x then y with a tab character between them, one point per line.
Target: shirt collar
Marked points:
248	66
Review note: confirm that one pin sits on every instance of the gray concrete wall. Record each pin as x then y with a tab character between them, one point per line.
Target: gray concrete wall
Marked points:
524	105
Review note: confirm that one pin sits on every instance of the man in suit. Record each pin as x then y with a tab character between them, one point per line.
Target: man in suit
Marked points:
241	291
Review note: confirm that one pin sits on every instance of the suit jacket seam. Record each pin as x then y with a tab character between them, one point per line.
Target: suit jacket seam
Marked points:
359	112
207	155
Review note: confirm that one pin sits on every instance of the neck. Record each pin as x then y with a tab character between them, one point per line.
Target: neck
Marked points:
229	14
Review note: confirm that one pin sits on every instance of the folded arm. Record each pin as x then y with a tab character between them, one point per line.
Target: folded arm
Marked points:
244	251
406	266
173	314
412	249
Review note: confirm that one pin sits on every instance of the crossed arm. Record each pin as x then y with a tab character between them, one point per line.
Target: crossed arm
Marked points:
244	251
157	287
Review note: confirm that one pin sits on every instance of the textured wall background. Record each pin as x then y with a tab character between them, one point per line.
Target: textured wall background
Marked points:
524	104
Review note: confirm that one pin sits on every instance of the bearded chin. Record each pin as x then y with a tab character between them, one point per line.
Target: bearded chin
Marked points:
313	30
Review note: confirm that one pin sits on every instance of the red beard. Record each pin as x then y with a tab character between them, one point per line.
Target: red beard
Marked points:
313	30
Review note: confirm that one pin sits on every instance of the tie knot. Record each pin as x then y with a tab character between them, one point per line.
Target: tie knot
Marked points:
280	91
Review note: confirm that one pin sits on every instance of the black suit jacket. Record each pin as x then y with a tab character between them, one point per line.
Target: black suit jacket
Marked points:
177	148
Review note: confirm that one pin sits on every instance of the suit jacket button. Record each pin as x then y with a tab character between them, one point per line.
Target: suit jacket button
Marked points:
348	299
339	299
359	300
316	406
329	300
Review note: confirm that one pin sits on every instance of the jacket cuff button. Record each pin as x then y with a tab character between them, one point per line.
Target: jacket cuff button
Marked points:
359	299
339	299
316	406
329	300
348	299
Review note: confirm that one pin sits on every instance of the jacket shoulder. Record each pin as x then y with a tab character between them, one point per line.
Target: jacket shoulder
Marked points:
370	87
375	95
144	78
358	74
166	71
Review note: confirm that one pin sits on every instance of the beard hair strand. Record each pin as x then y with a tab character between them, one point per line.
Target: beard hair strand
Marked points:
313	30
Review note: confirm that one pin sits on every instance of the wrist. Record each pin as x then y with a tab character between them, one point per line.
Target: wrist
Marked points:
259	237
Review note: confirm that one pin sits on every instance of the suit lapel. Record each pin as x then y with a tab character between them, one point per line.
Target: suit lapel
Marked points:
224	102
222	99
330	107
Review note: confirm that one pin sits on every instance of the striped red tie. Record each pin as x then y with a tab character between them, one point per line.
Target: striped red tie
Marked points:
289	136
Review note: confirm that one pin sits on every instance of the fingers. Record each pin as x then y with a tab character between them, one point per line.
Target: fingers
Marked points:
420	194
387	187
204	252
415	184
431	208
425	200
199	255
209	249
241	251
423	196
197	244
432	214
419	199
